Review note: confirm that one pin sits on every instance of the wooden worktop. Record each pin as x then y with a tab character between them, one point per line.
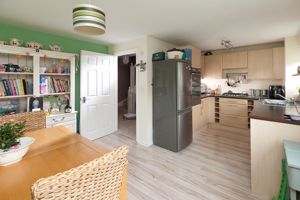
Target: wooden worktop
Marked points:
272	113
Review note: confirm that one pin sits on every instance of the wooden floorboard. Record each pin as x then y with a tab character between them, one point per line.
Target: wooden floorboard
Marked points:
215	166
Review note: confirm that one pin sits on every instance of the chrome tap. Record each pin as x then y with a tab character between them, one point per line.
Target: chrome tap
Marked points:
281	96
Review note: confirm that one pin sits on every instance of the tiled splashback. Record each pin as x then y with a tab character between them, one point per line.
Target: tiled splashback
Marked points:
251	84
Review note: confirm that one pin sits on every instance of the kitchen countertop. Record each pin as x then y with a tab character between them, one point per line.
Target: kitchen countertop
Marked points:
273	113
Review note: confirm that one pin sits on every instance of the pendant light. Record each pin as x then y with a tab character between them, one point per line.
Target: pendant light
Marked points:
89	19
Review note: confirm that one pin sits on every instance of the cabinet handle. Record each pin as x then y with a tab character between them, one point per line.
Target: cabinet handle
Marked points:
61	119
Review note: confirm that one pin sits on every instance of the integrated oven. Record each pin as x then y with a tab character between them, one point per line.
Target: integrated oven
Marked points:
196	81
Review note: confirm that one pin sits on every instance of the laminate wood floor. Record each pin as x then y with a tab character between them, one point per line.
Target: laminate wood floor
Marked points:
215	166
126	127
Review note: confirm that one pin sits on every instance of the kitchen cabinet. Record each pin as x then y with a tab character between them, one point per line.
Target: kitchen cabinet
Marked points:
67	120
202	63
236	60
232	112
213	66
278	63
260	64
211	110
200	115
196	55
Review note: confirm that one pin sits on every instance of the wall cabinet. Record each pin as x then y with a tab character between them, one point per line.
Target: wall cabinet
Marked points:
234	60
213	66
196	55
260	64
278	63
266	63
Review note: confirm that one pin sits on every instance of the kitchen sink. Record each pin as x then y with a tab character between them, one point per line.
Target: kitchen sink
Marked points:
274	102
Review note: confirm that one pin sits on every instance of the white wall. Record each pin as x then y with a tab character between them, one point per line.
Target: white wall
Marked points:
138	46
153	45
251	84
292	61
144	48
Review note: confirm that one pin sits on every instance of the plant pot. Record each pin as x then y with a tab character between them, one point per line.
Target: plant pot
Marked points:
15	154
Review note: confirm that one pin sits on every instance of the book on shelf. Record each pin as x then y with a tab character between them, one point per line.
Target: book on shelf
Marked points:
15	87
50	85
9	107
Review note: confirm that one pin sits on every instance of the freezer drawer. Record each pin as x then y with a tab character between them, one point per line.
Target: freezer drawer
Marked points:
184	129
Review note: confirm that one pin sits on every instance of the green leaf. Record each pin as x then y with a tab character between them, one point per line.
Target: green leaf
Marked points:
10	133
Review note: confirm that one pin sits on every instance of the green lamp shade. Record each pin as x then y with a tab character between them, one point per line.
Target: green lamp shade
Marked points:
89	19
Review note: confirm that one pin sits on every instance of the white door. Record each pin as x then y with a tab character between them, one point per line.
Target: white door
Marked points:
98	95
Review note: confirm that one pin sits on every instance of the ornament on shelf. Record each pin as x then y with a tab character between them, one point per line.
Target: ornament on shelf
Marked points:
55	48
29	44
3	42
35	45
15	42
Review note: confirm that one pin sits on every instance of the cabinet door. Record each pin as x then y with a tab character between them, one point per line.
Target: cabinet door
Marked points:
197	115
234	60
234	109
213	66
234	121
202	63
200	115
260	64
205	111
233	101
196	55
278	63
71	125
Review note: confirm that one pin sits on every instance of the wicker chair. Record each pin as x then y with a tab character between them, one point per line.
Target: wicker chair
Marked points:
34	120
99	179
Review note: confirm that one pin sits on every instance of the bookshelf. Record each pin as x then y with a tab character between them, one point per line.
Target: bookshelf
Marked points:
16	73
56	74
29	67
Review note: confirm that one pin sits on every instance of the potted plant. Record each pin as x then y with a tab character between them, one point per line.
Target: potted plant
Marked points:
13	146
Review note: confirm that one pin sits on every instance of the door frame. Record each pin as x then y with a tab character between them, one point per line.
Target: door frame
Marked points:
115	128
122	53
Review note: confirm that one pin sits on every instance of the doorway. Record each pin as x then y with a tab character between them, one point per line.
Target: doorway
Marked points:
127	95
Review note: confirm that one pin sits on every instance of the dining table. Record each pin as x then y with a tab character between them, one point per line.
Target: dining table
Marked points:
55	150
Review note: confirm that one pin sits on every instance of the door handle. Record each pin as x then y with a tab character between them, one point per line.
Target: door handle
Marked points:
83	99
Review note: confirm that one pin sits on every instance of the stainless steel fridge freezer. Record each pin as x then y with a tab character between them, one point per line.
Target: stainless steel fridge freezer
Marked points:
172	104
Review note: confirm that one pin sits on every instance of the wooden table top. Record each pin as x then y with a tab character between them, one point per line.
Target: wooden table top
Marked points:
55	150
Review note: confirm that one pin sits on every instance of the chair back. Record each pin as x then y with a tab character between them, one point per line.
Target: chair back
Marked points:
34	120
99	179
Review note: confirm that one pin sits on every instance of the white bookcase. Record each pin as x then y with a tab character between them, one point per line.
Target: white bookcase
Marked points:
57	66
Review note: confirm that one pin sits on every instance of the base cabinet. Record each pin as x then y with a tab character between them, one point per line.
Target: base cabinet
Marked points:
232	112
200	115
67	120
234	121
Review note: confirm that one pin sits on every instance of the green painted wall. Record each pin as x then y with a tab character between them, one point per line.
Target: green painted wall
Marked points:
68	44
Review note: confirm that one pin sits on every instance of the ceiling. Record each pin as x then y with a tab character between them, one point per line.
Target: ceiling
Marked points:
203	23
